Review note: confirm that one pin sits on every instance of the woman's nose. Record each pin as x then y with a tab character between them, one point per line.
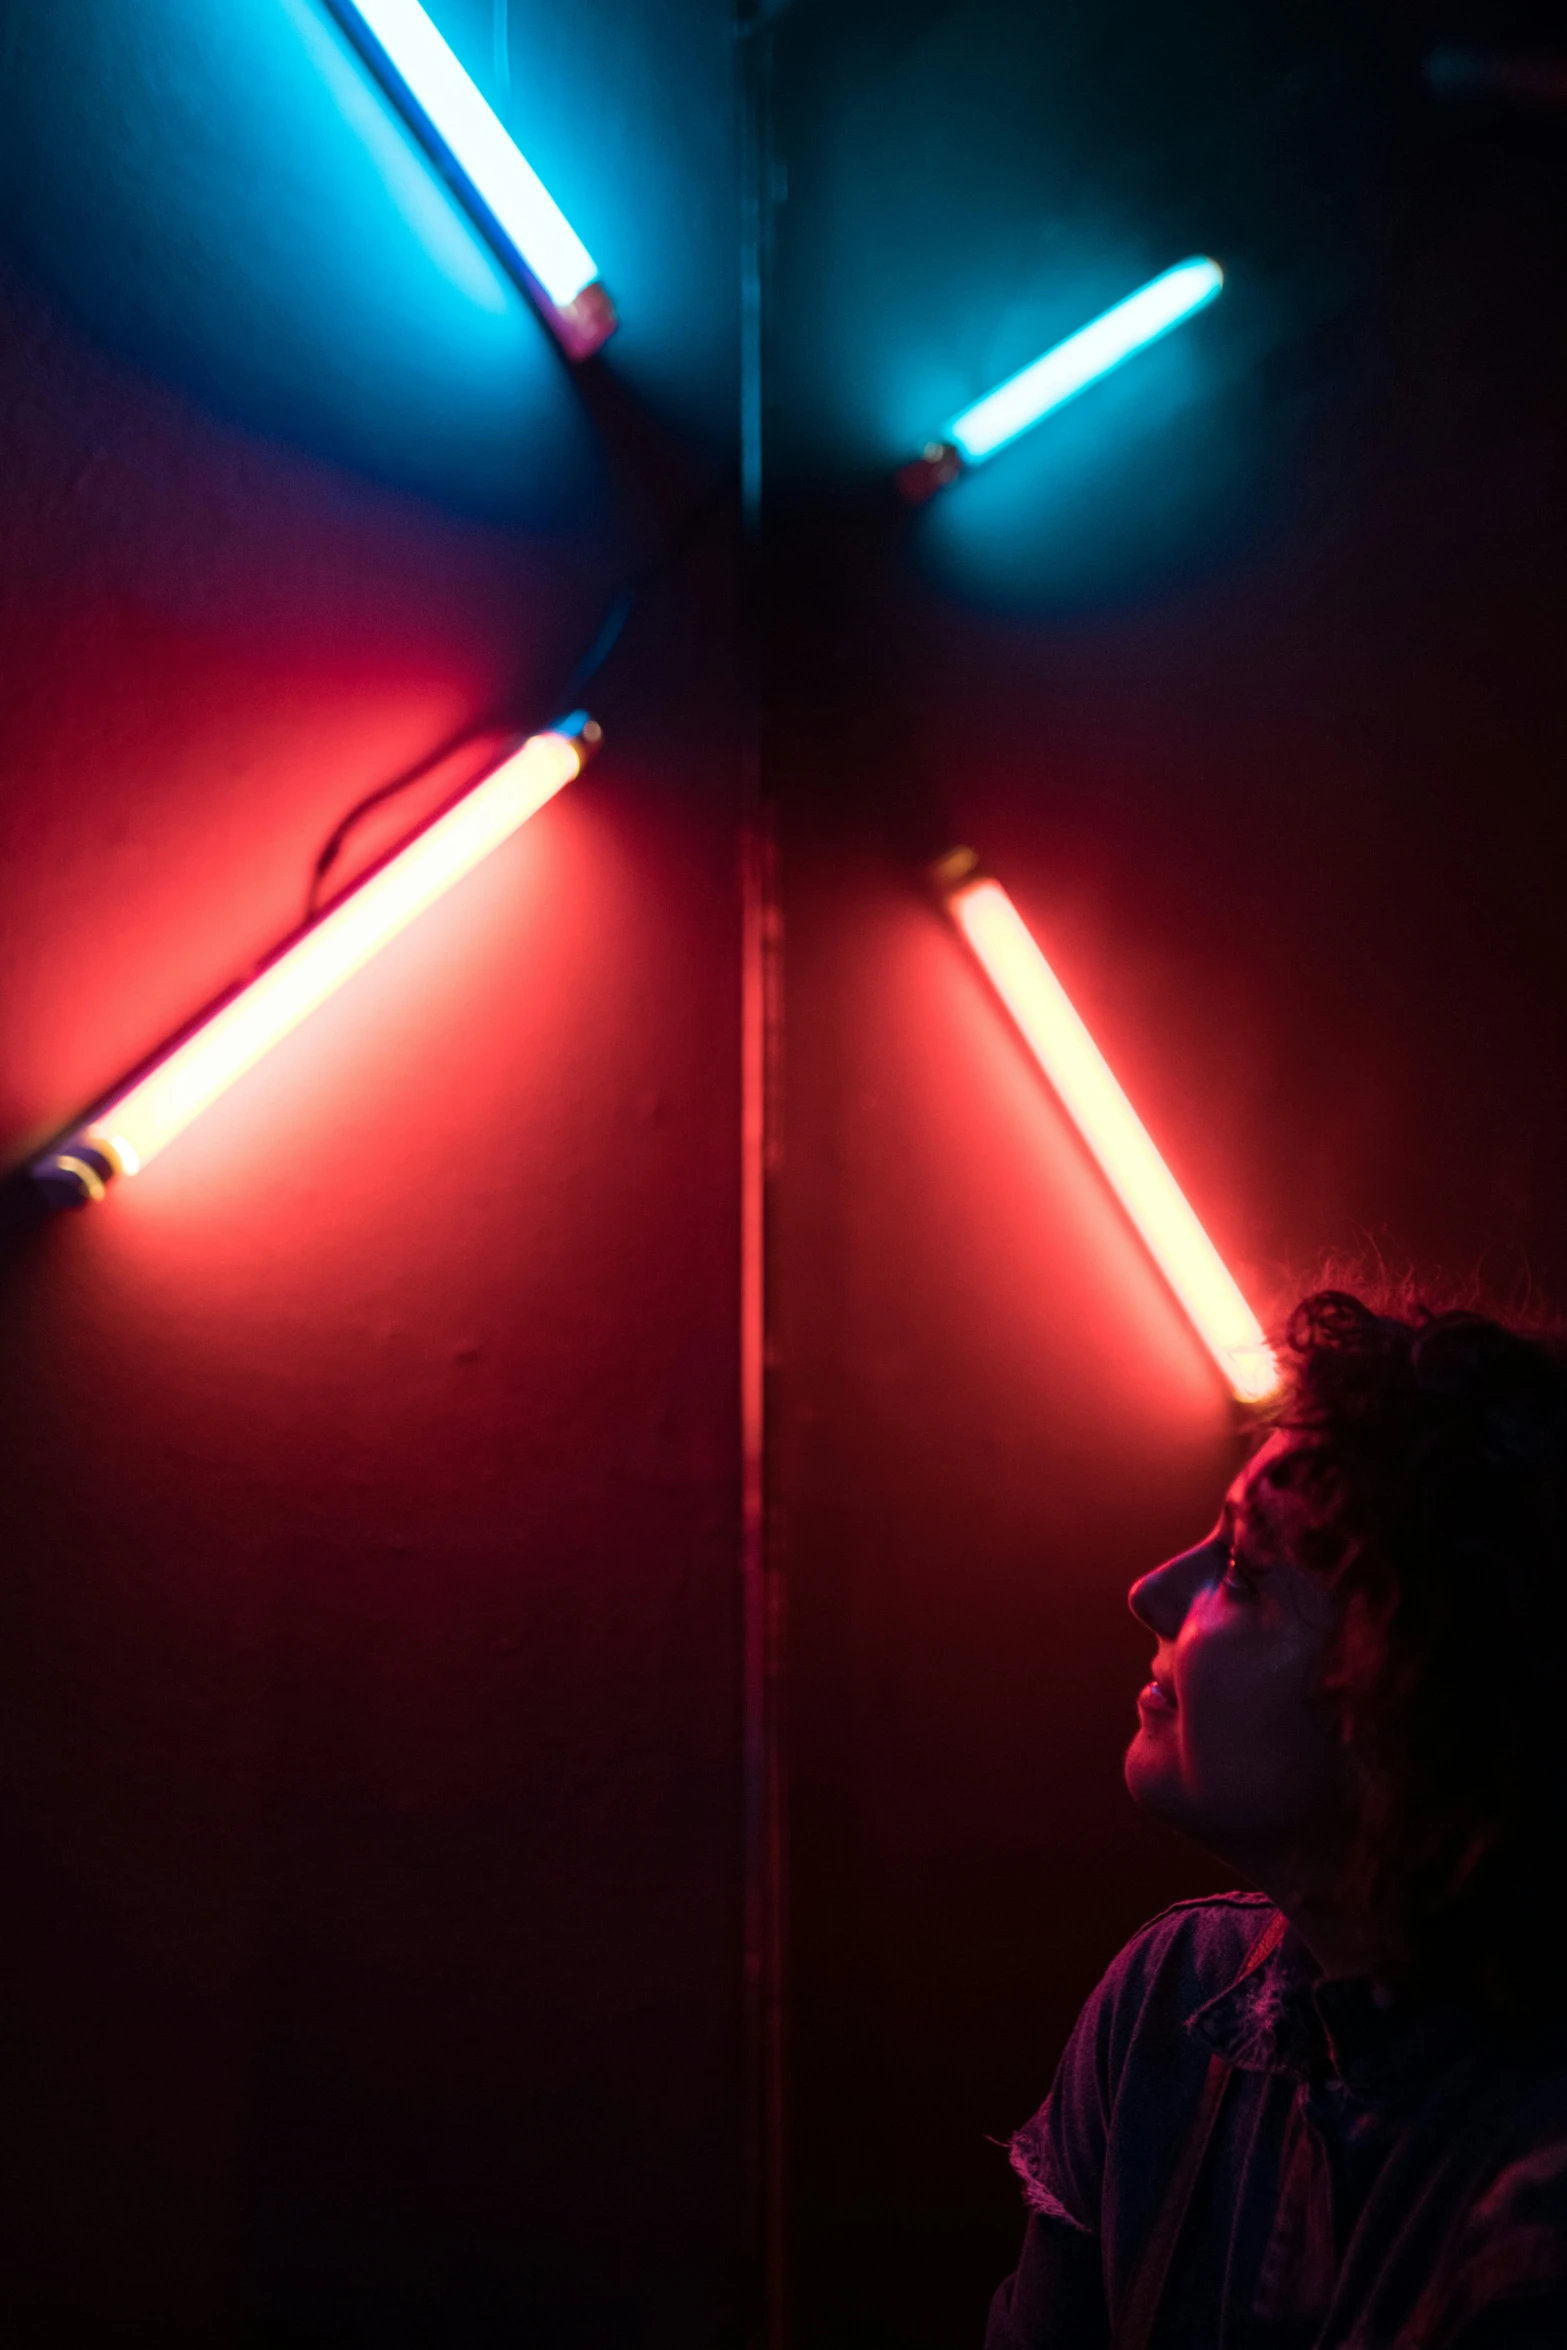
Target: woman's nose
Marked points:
1161	1598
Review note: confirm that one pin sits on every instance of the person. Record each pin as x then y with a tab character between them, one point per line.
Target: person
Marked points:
1330	2113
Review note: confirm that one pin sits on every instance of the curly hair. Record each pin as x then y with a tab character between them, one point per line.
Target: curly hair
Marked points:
1431	1457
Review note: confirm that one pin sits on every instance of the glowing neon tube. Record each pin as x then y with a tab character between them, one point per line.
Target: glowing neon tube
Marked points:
146	1115
1109	1125
1062	373
478	154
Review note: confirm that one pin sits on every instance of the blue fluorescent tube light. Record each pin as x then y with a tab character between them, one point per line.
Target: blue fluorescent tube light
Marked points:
478	154
1062	373
1073	365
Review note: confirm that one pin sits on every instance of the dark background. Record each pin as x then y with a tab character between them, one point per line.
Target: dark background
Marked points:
1246	675
371	1690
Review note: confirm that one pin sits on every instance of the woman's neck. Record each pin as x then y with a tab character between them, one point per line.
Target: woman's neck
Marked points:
1308	1887
1340	1940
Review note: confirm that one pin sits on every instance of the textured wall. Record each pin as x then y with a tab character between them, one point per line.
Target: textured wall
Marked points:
369	1615
1245	675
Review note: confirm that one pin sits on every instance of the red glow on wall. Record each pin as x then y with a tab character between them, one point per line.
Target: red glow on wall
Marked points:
1089	1091
141	1120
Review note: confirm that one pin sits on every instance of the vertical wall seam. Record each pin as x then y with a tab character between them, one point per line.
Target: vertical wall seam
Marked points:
760	1043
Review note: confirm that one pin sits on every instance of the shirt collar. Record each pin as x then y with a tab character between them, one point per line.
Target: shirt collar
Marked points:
1266	2021
1283	2018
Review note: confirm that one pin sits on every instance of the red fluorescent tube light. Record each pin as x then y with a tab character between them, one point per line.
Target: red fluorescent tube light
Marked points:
1088	1090
140	1120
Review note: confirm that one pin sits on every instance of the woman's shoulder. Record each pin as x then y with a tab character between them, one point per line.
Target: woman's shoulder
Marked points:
1130	2053
1177	1962
1207	1941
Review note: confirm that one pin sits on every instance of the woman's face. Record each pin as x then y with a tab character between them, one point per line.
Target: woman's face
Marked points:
1234	1745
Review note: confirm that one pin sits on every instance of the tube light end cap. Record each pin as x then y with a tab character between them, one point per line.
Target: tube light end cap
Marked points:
937	464
581	730
74	1176
1253	1372
1527	79
585	324
950	871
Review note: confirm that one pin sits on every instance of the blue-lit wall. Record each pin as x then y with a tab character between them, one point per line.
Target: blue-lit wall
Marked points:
225	195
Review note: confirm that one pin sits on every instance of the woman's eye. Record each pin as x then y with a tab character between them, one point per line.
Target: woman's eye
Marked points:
1237	1576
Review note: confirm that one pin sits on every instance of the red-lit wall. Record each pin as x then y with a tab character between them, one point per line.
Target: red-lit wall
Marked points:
372	1724
370	1617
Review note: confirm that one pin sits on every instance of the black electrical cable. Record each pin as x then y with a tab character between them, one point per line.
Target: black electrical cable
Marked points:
337	839
602	643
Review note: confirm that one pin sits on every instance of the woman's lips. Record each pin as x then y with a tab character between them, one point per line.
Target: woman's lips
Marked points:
1155	1698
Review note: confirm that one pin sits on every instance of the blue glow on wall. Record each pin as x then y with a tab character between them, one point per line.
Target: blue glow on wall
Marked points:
511	189
1071	366
251	222
472	145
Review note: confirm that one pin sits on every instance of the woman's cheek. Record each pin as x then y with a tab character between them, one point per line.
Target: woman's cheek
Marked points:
1228	1712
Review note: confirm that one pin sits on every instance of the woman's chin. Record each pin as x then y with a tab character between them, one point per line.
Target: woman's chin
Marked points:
1152	1774
1155	1783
